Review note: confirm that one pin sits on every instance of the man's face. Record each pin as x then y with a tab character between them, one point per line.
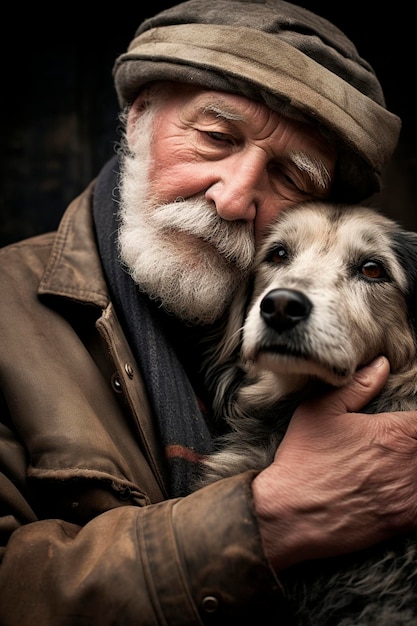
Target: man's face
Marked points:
248	161
208	172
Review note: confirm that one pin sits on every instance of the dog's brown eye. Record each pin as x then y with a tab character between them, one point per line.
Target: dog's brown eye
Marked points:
373	270
277	255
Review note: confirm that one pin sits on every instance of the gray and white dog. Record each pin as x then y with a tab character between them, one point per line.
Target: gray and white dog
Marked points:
333	287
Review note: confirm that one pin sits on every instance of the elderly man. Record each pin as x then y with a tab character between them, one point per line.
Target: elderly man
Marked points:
233	111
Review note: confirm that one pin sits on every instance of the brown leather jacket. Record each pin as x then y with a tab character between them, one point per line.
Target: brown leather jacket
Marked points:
88	536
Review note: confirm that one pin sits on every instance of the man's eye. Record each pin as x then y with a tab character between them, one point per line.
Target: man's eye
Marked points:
221	137
285	178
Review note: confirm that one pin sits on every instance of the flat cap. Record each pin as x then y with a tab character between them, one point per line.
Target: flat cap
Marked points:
281	54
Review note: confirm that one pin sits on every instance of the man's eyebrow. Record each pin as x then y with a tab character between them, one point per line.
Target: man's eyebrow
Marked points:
223	112
314	167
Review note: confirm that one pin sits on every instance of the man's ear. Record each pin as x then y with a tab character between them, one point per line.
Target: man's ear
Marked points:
138	106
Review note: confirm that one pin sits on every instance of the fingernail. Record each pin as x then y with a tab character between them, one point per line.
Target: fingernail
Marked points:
364	375
378	362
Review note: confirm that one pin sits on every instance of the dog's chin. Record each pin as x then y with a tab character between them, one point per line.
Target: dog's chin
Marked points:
299	365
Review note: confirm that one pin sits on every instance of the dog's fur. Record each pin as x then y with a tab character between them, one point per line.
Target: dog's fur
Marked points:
333	287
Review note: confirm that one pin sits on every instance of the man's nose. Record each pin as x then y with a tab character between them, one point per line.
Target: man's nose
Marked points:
237	190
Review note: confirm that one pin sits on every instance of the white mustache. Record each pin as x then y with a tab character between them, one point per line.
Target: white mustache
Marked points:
233	240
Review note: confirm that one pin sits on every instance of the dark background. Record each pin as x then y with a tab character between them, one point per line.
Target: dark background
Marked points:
59	109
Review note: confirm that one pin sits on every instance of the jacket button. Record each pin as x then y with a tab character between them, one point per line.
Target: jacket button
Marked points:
129	370
116	384
210	604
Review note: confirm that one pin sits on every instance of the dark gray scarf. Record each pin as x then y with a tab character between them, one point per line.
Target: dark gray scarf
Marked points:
150	332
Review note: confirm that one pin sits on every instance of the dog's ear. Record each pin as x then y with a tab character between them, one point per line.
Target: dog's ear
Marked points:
405	247
222	346
237	313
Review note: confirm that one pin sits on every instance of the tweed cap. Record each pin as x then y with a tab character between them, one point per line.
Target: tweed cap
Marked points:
278	53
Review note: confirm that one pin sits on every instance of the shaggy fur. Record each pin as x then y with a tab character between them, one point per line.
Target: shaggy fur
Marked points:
333	287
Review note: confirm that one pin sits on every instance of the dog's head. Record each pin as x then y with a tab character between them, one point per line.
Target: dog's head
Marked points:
334	287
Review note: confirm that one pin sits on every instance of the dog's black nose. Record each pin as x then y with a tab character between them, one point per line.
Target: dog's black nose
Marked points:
282	309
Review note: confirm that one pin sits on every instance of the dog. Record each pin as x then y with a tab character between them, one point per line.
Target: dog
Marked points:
333	287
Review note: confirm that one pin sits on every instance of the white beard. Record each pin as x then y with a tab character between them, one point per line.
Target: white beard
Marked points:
180	253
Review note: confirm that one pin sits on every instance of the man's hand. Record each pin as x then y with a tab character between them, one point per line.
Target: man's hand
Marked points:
340	480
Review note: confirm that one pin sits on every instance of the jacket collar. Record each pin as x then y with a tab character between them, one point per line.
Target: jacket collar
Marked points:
74	269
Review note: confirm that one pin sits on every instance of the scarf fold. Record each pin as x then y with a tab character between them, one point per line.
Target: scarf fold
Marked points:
181	423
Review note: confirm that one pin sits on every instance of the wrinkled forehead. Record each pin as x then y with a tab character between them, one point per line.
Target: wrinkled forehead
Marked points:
257	119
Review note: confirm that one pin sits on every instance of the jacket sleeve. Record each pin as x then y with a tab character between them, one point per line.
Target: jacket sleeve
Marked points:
194	560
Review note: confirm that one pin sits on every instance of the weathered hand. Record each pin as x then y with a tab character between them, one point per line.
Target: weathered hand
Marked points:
340	480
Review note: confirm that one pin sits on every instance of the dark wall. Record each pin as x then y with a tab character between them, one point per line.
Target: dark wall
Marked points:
59	110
